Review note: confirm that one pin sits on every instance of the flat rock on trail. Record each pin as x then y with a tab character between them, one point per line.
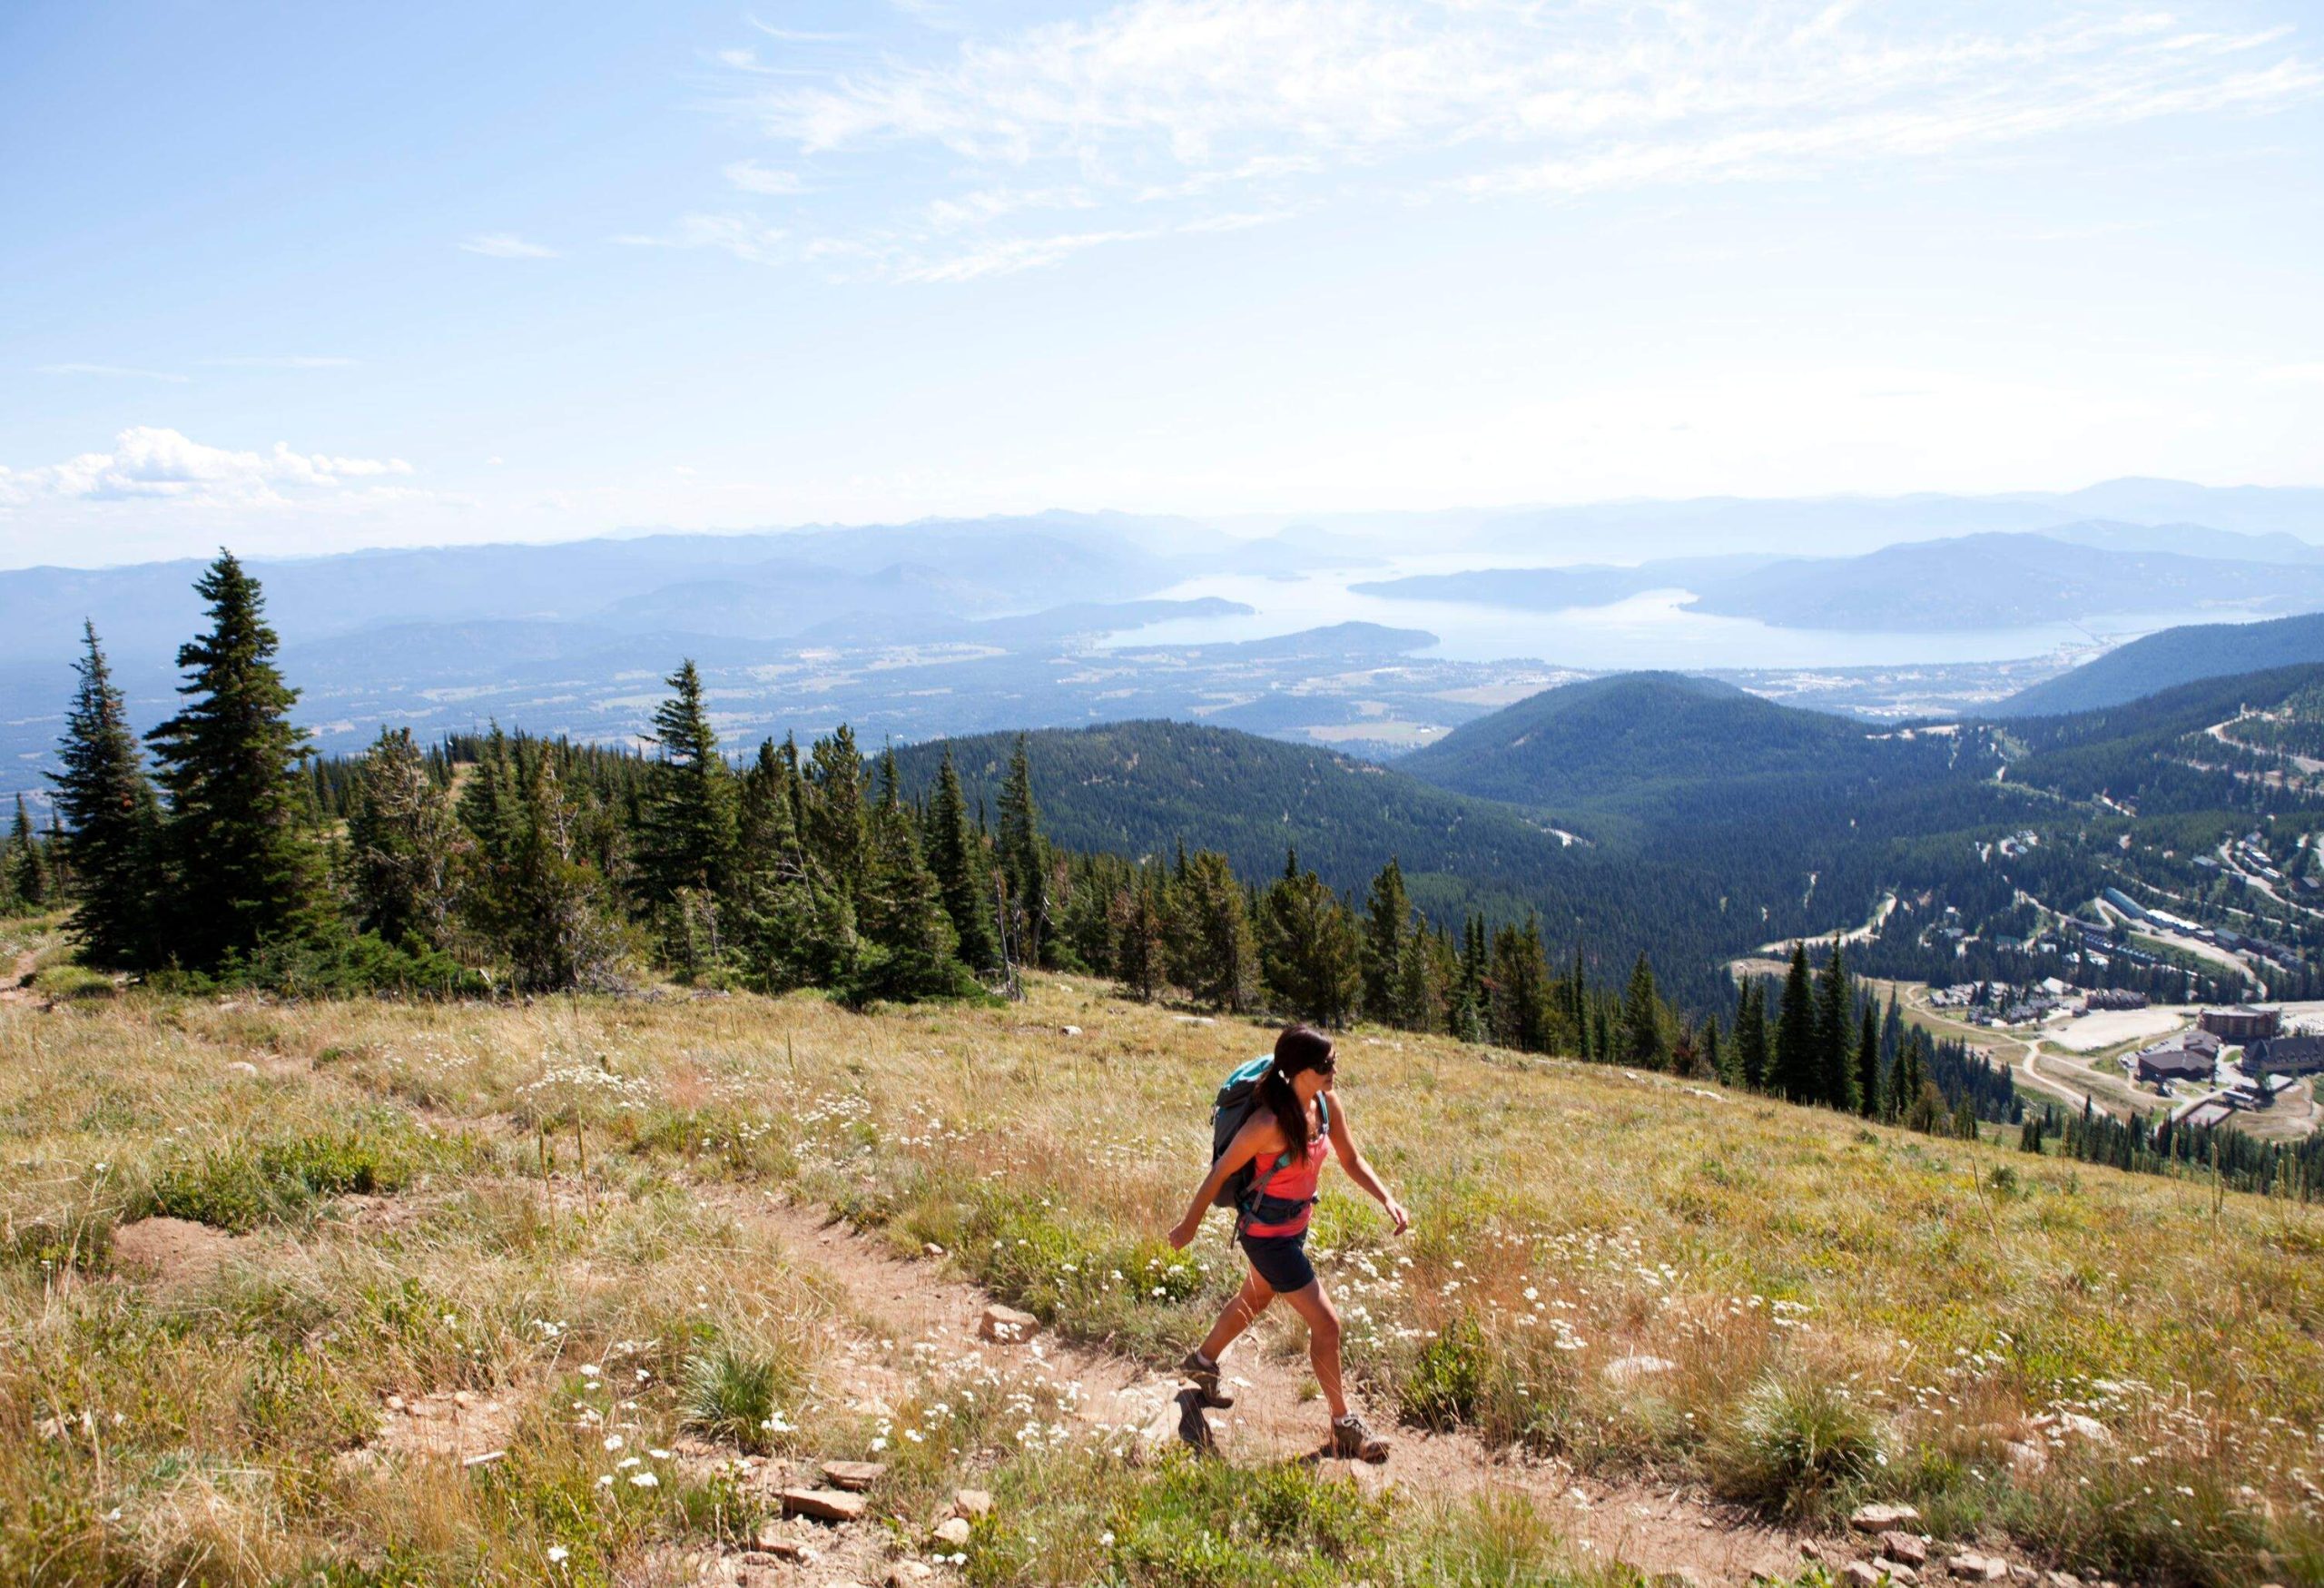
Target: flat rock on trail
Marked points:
910	1301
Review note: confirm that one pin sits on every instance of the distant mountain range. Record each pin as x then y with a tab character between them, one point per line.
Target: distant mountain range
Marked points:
1990	580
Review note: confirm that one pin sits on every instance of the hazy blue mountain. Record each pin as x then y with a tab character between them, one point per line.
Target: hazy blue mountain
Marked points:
1554	590
2172	657
2002	581
2188	540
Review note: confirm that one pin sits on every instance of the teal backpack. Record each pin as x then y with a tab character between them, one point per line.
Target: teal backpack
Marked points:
1237	1096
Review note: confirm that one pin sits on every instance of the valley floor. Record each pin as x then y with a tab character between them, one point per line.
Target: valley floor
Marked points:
574	1291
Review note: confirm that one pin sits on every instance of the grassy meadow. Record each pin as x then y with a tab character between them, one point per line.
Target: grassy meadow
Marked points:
2118	1375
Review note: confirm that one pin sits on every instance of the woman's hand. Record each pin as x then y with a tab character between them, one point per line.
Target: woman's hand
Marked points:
1397	1214
1188	1227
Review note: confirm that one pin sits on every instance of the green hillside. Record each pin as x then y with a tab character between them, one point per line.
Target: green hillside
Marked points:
2174	656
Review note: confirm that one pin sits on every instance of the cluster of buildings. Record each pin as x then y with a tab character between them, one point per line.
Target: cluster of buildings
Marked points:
2273	1061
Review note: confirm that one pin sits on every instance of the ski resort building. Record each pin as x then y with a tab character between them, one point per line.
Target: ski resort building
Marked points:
2242	1023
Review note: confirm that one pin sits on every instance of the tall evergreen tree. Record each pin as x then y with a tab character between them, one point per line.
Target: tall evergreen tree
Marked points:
1641	1036
1834	1084
687	831
1141	951
1221	964
243	869
405	845
901	911
1311	955
1415	998
1796	1074
1522	1012
793	927
1024	858
1751	1057
27	866
835	809
1387	924
956	856
1867	1061
112	816
1717	1060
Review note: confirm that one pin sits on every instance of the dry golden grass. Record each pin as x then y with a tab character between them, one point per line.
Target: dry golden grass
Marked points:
1622	1268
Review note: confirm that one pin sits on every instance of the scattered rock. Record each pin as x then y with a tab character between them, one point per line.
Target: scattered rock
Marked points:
775	1547
906	1572
1007	1325
2061	1580
824	1504
1809	1550
1881	1518
2027	1458
952	1531
242	1067
2083	1427
1630	1369
854	1476
1680	1577
1895	1571
1857	1574
1904	1546
972	1502
932	1249
1071	1031
1976	1568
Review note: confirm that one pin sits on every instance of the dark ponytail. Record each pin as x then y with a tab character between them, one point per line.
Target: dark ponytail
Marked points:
1298	1048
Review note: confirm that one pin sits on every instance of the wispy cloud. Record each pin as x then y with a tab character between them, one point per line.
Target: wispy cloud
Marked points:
754	178
742	236
1203	107
285	361
506	245
114	372
147	464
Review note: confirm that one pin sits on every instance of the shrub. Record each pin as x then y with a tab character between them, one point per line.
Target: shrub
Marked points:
730	1393
1441	1390
1792	1440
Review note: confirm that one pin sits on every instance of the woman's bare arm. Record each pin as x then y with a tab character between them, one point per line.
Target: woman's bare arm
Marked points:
1248	1142
1359	1169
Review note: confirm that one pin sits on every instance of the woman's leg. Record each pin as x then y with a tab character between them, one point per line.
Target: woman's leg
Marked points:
1323	1342
1248	1303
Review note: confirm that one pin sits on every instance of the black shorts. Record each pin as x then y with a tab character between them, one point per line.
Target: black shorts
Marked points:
1280	1260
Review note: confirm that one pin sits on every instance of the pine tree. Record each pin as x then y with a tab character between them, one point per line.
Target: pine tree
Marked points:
901	911
1024	858
1797	1073
1835	1073
105	798
1311	955
832	801
1221	967
1416	999
1751	1057
1522	1012
1867	1063
1642	1020
27	866
543	906
1715	1055
405	845
243	869
956	857
792	927
1138	947
688	832
1386	926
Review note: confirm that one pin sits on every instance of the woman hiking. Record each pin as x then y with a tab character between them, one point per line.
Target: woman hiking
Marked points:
1293	1115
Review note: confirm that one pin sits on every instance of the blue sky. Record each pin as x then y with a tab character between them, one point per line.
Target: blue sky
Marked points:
310	277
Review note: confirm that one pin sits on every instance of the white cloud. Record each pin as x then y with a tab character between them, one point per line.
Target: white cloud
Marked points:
506	245
147	464
119	371
754	178
285	361
1250	105
740	236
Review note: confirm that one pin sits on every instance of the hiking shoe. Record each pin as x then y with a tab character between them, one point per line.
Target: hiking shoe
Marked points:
1194	1428
1353	1440
1205	1380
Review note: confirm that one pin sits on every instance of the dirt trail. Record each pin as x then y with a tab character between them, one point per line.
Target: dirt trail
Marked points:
17	987
1657	1530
